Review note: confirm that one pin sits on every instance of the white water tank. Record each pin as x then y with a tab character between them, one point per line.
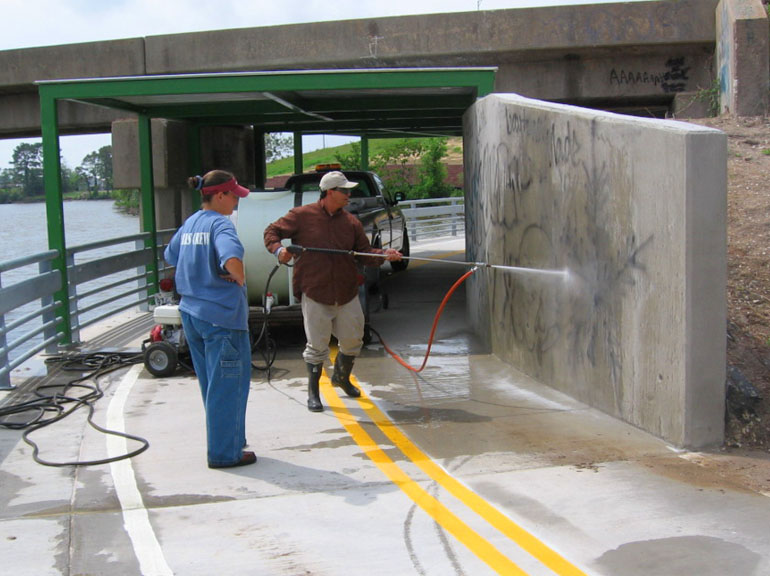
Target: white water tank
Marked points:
254	214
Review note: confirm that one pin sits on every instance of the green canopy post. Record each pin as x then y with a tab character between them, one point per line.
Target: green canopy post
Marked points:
260	158
298	168
148	200
194	161
54	207
364	153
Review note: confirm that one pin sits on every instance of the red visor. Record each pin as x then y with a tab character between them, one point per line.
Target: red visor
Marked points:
229	186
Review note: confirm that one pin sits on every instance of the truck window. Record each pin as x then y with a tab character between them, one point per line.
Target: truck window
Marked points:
362	190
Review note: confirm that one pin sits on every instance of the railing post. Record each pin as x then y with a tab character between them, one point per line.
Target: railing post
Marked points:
413	231
44	267
5	377
141	271
72	291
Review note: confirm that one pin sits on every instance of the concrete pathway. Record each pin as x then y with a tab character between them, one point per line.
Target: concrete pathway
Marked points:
468	468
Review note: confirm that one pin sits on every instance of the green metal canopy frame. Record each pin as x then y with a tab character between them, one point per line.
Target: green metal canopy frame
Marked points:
370	103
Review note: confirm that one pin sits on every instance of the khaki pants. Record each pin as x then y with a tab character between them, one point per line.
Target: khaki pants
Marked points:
321	321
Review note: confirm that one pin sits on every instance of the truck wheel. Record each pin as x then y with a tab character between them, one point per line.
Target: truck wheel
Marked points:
160	359
402	264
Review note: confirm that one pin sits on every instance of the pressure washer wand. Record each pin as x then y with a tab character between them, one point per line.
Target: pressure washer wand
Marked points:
297	250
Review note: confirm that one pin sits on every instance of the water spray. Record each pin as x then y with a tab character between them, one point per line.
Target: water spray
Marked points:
297	250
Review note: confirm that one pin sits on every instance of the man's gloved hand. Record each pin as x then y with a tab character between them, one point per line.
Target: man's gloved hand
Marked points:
392	255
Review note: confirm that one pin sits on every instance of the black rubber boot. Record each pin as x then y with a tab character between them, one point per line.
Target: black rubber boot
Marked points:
343	365
313	377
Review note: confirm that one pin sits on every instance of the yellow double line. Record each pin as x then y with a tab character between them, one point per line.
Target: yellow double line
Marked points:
440	513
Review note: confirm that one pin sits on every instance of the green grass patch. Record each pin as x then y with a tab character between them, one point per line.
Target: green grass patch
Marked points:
326	156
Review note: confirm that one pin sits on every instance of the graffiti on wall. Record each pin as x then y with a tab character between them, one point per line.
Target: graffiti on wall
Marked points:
672	79
724	57
541	197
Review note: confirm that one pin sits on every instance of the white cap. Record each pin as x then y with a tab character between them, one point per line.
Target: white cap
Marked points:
335	180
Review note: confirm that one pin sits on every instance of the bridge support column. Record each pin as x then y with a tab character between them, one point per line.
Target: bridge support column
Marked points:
221	147
743	57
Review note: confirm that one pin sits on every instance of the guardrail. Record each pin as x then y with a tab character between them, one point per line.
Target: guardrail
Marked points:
95	282
433	217
40	287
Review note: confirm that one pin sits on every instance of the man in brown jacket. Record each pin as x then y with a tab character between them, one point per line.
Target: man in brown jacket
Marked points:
327	283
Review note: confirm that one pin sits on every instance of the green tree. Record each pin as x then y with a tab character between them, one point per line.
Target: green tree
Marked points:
8	191
349	158
127	200
433	174
96	170
395	165
27	168
277	146
69	179
6	178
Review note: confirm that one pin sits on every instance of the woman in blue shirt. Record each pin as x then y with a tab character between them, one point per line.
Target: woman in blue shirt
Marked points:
210	280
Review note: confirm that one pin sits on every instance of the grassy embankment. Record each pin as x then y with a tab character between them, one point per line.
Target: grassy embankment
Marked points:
328	155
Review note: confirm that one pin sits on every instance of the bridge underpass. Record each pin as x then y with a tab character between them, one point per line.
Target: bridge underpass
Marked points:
634	208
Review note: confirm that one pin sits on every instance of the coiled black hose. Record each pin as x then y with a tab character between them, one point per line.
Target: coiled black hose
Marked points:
55	402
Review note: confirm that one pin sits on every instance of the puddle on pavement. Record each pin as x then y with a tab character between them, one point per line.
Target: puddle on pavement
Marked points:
701	555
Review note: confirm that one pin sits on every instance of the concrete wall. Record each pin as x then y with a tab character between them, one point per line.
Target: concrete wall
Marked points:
636	210
742	57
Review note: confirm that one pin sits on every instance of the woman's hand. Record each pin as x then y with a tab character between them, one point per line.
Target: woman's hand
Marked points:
235	273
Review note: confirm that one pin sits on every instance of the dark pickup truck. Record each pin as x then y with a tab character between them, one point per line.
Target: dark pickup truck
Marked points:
371	202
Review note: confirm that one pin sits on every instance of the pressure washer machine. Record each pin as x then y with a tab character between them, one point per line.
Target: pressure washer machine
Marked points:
166	347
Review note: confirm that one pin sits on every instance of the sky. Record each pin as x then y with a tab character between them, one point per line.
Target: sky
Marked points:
29	23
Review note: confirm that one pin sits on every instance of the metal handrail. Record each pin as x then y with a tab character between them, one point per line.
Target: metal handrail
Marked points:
434	217
47	282
425	218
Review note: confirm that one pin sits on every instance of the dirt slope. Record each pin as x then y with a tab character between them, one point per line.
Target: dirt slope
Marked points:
748	281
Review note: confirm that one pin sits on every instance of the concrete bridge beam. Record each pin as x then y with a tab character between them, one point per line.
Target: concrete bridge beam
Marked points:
20	69
588	54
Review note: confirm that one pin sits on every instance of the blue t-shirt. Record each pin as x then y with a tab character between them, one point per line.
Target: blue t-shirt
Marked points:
199	250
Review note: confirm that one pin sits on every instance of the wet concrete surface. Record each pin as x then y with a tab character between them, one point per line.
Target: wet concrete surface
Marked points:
468	467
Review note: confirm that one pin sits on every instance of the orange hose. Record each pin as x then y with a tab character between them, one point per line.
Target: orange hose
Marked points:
398	358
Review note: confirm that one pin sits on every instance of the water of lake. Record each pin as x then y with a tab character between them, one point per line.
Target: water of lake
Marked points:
23	232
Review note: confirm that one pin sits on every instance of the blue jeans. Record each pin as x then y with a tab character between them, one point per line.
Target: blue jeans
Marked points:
222	361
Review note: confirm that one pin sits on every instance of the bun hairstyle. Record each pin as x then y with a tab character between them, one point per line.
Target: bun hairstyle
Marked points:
211	178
